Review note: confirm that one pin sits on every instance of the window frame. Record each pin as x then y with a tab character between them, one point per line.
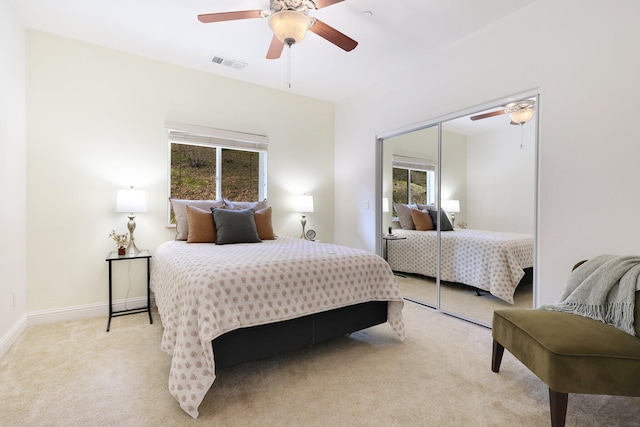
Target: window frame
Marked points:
421	165
178	133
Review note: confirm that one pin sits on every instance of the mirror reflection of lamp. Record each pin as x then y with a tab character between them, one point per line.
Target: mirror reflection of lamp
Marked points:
304	205
521	112
385	208
451	207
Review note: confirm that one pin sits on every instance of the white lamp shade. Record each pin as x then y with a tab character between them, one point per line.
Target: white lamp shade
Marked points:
289	26
304	204
131	201
452	206
385	204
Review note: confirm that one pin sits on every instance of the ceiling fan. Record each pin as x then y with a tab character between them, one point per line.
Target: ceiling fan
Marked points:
520	112
289	20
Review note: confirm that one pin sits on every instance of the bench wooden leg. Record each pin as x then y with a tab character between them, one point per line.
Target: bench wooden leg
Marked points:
496	356
558	406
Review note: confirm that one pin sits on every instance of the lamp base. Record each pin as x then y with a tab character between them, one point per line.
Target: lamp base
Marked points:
303	221
132	249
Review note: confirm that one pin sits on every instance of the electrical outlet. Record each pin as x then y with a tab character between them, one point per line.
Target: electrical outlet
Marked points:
13	299
366	205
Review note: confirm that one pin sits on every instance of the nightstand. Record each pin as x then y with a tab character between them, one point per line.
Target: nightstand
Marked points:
387	238
113	256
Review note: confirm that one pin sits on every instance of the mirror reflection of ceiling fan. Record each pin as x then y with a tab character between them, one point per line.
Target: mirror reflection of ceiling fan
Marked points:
520	112
289	20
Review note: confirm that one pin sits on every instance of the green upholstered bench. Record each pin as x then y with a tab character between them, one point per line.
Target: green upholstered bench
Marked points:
570	353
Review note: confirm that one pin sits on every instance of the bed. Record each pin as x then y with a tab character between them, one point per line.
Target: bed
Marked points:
227	304
489	260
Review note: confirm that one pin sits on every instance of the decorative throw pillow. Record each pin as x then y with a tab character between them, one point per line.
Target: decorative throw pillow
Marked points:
445	225
404	216
264	225
422	220
201	226
425	207
235	226
180	213
228	204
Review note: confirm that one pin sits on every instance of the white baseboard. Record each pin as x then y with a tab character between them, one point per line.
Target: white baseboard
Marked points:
64	315
7	340
83	311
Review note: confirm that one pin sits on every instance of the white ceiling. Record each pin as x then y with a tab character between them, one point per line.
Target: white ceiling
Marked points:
398	33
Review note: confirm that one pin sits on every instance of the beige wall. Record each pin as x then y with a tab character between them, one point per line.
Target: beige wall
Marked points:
13	224
96	124
501	180
581	56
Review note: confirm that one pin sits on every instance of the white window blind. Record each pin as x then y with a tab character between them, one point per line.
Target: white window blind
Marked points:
200	135
413	163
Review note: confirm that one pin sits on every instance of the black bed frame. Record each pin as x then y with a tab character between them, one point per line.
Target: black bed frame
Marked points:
264	341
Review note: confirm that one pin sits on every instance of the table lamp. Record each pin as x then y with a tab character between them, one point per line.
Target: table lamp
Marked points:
451	207
131	201
304	205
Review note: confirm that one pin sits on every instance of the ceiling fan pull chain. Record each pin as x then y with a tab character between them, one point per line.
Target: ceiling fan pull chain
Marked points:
289	67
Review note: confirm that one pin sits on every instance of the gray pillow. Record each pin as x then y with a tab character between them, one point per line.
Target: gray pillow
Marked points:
235	226
445	225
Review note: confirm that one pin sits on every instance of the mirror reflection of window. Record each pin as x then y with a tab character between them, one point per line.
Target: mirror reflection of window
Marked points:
400	187
414	181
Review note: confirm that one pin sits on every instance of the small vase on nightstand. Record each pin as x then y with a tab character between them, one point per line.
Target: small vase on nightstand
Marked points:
122	250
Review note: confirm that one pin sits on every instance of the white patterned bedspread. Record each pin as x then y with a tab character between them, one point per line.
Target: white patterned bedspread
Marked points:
203	290
488	260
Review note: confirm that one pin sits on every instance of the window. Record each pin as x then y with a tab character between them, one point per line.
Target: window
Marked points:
208	164
414	181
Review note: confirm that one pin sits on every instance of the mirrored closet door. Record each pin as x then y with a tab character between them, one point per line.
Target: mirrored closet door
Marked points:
459	194
410	177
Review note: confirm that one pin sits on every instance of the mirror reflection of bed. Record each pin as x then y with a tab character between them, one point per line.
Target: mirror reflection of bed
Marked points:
488	167
475	304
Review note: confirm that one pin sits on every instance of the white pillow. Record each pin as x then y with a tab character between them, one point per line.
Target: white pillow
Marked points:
256	206
404	215
180	212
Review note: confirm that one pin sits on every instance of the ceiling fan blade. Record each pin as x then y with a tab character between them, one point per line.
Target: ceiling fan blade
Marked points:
275	48
487	115
334	36
229	16
324	3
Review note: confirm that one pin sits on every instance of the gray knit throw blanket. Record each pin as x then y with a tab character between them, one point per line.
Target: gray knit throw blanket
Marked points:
603	289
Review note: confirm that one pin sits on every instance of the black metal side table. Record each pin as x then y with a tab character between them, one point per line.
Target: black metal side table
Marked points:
113	256
387	238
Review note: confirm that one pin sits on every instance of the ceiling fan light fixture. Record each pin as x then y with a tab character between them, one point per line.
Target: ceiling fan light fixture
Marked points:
521	112
289	26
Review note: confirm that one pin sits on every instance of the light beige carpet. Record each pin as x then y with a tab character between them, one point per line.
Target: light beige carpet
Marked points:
460	299
76	374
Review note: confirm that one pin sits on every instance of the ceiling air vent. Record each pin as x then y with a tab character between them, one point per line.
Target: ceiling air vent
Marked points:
228	62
